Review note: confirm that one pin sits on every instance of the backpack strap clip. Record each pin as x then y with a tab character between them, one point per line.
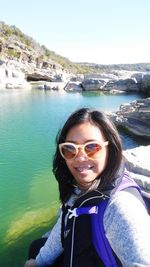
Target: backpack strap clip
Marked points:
82	211
72	213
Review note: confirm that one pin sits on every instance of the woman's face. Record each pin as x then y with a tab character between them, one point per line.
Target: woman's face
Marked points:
86	170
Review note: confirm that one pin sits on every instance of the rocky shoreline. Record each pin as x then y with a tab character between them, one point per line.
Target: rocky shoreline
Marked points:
20	74
134	117
113	82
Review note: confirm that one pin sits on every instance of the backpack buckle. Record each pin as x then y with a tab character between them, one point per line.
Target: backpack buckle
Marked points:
73	213
82	211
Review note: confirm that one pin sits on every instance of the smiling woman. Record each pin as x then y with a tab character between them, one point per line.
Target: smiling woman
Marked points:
89	167
86	164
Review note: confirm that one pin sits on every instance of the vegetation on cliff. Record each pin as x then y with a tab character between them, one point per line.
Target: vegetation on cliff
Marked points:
14	44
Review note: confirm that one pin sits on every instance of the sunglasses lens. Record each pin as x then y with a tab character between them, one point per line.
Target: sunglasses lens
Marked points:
92	149
68	151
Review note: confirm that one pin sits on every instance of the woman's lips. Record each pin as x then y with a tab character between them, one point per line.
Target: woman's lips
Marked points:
82	169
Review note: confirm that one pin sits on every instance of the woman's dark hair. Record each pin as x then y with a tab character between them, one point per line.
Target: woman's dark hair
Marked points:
63	175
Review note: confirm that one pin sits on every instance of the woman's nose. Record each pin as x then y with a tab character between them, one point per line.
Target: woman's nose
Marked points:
81	156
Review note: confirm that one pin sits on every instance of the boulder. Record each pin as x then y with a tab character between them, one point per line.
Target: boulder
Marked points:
128	84
135	117
73	86
93	84
55	86
138	164
145	83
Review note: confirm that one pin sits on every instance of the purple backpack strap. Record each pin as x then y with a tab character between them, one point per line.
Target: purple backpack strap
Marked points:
126	182
99	238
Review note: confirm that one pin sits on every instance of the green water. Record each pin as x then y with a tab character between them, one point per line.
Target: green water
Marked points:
29	121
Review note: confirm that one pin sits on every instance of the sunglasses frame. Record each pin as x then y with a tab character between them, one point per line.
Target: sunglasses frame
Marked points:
81	147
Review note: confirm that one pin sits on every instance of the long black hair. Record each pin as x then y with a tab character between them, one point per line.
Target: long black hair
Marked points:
63	175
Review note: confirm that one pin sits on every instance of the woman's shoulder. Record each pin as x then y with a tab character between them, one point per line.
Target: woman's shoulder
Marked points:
126	205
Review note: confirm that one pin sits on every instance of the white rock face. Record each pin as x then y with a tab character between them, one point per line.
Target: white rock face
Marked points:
138	163
12	77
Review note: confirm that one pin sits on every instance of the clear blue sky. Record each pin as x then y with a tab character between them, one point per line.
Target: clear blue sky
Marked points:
100	31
